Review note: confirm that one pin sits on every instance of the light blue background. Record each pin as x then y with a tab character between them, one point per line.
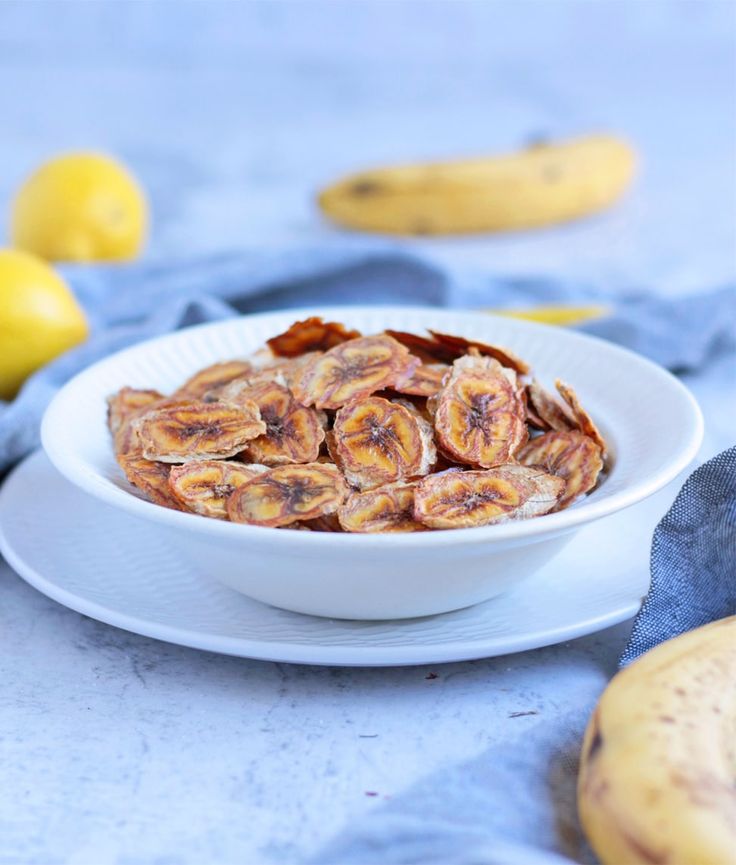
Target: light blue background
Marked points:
233	114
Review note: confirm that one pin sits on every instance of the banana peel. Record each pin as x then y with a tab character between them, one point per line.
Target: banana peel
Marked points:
542	185
658	761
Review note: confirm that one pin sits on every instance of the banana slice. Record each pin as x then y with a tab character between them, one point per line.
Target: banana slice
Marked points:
389	508
427	349
312	334
198	431
212	377
151	478
376	442
354	369
204	486
548	412
569	455
583	421
294	433
288	494
480	414
462	346
456	499
122	408
426	380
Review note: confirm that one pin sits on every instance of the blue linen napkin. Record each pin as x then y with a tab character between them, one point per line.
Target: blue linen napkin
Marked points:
130	303
514	804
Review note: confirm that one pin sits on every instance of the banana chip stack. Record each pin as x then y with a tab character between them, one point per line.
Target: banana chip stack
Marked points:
326	429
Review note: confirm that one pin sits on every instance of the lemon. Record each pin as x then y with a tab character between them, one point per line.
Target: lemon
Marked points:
80	207
39	318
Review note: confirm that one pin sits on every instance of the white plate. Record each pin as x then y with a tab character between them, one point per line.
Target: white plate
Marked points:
651	422
118	569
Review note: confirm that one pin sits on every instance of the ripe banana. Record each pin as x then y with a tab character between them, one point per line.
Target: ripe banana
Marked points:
542	185
659	756
558	314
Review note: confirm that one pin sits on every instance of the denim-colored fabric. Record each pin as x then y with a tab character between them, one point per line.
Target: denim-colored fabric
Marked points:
693	563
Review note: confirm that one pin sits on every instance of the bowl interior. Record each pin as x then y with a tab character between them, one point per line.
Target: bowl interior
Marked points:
650	420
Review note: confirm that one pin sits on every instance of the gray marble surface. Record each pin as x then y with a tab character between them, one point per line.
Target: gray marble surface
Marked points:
120	750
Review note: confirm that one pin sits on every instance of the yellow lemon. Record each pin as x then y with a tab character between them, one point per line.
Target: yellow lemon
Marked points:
80	207
39	318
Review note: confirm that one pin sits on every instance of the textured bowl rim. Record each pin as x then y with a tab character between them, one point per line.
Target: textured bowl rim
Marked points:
586	511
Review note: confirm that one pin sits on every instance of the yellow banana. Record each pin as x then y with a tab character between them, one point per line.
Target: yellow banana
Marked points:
542	185
558	314
659	757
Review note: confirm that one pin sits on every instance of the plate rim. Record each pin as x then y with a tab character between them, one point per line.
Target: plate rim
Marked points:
293	653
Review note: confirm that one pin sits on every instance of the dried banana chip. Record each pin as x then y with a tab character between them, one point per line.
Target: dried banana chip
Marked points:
312	334
479	414
454	500
387	509
426	380
122	408
198	431
568	454
427	349
151	478
212	377
549	412
583	421
352	370
288	494
376	442
204	486
294	433
462	346
325	523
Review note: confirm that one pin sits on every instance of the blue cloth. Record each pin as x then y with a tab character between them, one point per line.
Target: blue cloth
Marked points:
693	564
127	304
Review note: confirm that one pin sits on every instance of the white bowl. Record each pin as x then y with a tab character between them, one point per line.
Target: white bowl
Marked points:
652	423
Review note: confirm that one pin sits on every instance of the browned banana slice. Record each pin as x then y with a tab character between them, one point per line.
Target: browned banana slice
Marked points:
480	415
387	509
198	431
427	349
454	500
204	486
326	523
548	409
288	494
312	334
352	370
212	377
376	442
532	418
461	346
569	455
122	408
151	478
583	420
426	380
294	433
